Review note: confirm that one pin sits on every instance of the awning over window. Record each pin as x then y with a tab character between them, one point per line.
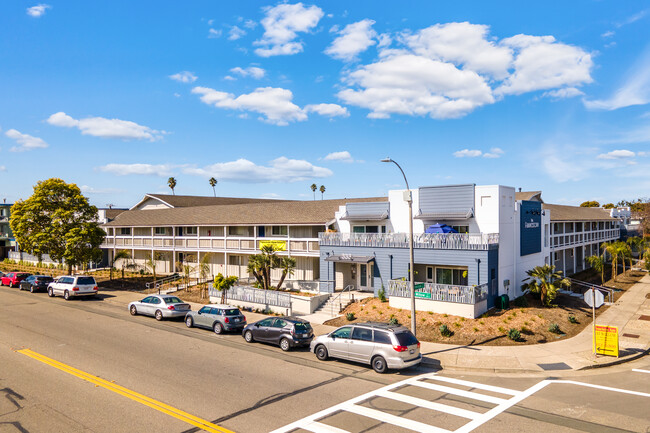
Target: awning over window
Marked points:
446	202
461	215
370	211
349	258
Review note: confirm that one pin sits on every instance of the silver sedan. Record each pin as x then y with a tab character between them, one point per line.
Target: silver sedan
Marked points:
160	306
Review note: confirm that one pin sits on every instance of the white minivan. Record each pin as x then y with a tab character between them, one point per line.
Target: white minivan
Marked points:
70	286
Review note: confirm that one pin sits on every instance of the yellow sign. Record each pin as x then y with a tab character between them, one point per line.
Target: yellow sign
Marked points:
277	245
606	340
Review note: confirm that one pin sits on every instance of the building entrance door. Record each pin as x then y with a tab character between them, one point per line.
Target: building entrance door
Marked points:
365	279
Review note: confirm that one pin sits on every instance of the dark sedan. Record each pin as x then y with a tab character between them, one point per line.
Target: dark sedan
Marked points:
286	332
35	283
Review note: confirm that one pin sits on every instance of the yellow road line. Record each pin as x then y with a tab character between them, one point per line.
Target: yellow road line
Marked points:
143	399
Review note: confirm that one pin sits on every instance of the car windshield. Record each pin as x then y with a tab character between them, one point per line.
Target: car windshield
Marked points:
172	300
302	327
86	280
406	339
231	312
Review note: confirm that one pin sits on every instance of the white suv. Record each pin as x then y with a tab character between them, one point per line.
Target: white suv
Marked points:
73	285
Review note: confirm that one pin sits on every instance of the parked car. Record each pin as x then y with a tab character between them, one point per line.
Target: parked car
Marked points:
381	345
287	332
34	283
13	279
160	307
70	286
219	318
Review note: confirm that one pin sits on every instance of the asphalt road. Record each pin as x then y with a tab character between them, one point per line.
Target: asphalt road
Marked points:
188	377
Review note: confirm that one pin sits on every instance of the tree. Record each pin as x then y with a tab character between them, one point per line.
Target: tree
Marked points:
322	191
261	265
213	183
119	255
609	206
204	270
590	204
172	184
288	266
598	263
546	281
58	220
224	284
313	189
151	263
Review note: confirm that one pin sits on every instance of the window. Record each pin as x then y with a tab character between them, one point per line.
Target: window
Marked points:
160	231
342	332
125	231
406	339
191	231
216	311
232	312
86	280
369	229
429	274
359	229
266	322
451	276
382	337
173	300
461	229
234	260
204	310
363	334
557	257
279	323
279	230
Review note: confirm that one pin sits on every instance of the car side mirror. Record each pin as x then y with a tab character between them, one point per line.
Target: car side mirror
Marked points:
198	312
257	325
333	337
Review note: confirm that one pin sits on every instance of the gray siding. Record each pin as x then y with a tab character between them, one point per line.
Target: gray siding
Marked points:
446	199
368	211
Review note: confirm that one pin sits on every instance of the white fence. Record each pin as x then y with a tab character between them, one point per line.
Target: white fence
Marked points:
258	296
439	292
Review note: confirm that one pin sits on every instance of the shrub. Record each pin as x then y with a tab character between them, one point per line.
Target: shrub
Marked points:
475	329
554	328
457	325
445	315
525	330
381	294
481	322
502	329
430	312
462	319
408	315
350	316
540	316
445	331
424	319
393	321
374	307
514	334
573	319
520	302
380	312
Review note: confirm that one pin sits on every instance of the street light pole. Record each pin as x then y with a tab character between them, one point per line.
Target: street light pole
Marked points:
409	200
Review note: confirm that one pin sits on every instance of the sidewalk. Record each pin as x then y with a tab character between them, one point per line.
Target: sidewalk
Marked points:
570	354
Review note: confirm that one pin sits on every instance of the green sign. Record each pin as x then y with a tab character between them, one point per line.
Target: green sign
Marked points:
423	295
418	286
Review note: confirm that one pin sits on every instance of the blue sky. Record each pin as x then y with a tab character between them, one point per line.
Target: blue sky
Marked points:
271	97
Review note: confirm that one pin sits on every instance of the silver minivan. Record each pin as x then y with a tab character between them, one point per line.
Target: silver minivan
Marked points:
381	345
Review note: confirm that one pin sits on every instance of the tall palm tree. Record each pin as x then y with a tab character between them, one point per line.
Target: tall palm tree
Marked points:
598	263
172	184
546	281
638	244
288	266
313	189
322	191
213	183
625	252
613	250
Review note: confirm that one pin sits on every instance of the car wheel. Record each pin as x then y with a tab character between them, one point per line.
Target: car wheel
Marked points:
285	345
218	328
159	315
50	293
66	295
248	336
189	322
321	352
133	310
31	289
379	364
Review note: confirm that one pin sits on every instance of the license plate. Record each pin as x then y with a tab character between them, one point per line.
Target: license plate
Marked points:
412	351
235	320
305	335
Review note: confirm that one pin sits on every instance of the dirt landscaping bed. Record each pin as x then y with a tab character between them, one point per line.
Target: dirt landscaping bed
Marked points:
533	322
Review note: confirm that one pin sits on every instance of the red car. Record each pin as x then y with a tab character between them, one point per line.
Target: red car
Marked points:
13	279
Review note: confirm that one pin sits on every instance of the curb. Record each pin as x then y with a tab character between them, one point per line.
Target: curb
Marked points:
433	363
617	362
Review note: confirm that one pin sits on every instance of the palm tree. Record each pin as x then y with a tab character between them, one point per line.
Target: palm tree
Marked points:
119	255
624	252
288	266
598	263
204	270
313	189
638	244
322	191
610	248
172	184
151	263
213	183
546	281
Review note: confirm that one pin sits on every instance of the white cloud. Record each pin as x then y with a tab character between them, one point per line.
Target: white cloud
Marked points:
467	153
272	102
281	26
327	110
495	152
542	63
384	40
354	39
139	169
90	190
566	92
633	18
25	142
106	128
462	44
415	85
343	156
38	10
250	24
608	34
236	33
3	168
213	33
252	71
281	169
184	77
635	90
617	154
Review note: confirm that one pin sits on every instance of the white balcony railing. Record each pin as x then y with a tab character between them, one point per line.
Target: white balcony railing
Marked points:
440	292
443	241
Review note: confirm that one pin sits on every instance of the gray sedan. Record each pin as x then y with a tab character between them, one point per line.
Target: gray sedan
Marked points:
218	317
160	306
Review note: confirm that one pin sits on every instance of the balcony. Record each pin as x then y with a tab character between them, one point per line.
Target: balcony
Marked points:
442	241
440	292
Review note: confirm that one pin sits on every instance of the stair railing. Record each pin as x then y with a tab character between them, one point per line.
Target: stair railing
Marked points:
338	298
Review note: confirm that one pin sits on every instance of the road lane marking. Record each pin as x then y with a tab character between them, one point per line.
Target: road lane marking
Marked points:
414	401
140	398
606	388
393	419
638	370
460	392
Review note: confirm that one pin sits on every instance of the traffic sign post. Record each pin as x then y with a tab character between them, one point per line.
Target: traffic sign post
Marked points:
594	298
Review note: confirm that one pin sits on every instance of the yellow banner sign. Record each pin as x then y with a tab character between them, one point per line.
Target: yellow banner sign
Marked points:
277	245
606	340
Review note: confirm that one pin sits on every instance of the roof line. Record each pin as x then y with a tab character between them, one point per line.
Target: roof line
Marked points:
150	196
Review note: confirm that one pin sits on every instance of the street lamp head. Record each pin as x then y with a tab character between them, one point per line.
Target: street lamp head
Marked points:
387	159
